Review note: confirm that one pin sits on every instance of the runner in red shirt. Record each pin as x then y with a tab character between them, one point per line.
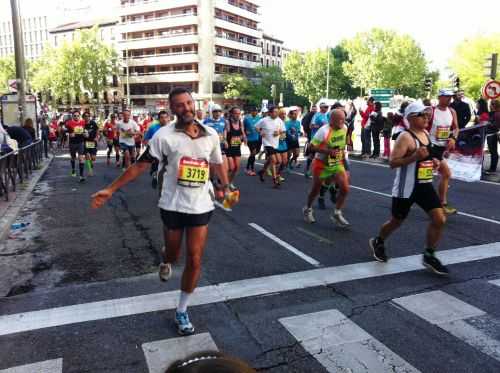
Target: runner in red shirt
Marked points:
76	130
111	133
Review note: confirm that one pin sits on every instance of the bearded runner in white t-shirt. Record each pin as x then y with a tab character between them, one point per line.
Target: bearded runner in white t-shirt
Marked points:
186	151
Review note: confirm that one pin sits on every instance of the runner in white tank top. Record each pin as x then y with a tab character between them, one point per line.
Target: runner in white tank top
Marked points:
443	129
412	157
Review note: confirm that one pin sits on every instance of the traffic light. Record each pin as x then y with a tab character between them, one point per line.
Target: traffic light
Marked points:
428	84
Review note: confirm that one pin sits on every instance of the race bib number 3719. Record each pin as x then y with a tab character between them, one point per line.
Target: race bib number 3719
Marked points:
193	173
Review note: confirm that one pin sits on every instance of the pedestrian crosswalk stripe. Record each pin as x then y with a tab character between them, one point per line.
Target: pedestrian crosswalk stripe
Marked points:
26	321
161	354
48	366
495	282
451	315
286	245
342	346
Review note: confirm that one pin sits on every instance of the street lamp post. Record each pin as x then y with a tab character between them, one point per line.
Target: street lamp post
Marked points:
19	57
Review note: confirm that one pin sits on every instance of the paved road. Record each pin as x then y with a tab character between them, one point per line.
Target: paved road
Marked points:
283	295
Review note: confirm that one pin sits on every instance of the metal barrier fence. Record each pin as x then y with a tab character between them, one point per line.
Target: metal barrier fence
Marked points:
17	166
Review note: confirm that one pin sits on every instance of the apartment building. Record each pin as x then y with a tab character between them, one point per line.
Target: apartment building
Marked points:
67	32
186	43
273	51
35	36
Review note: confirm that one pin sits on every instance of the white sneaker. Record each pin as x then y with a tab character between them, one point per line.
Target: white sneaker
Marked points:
308	215
165	271
338	218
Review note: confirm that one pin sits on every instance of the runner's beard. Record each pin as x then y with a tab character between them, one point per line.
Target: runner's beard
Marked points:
186	119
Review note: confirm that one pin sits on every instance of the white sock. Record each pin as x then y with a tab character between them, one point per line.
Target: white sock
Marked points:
183	301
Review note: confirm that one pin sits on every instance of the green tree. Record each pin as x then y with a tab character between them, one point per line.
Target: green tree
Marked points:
258	88
469	60
83	66
383	58
7	71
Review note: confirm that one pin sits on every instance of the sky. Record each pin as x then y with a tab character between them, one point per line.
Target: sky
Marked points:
437	26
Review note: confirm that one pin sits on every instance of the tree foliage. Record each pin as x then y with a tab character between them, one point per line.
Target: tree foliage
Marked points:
258	88
83	66
385	59
7	71
469	61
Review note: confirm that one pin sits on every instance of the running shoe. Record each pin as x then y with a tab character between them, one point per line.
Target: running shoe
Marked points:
281	179
308	215
433	264
184	326
82	179
307	174
378	248
232	187
449	210
338	218
261	175
321	204
165	271
73	173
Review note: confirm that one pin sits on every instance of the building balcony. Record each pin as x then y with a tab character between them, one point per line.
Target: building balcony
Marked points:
237	44
159	41
146	6
158	23
235	61
236	27
164	77
164	59
227	6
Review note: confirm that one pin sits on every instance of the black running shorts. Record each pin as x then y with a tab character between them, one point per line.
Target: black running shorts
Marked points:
269	150
177	220
424	195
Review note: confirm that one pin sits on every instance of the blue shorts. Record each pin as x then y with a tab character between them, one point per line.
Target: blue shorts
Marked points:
125	147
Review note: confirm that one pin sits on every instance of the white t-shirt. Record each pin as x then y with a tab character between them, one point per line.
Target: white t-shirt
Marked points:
186	183
268	127
123	127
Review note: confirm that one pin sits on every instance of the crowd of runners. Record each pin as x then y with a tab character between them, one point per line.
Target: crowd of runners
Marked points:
197	160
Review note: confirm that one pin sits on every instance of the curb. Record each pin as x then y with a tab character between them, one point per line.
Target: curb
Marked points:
21	197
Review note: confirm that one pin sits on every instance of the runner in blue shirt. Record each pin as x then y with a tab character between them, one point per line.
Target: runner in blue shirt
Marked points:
318	121
293	127
282	149
253	138
218	123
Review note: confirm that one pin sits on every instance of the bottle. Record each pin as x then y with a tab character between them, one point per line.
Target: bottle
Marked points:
231	199
19	225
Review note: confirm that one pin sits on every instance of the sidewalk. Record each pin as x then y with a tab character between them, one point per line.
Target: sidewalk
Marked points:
9	210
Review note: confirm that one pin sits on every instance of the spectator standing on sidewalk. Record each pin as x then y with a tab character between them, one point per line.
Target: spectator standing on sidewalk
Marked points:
44	125
462	108
482	113
28	126
376	127
386	132
493	136
365	128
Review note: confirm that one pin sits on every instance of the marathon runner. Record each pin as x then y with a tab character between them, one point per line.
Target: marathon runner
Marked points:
53	131
412	157
163	120
218	123
91	139
292	126
270	128
443	129
319	120
186	150
329	144
127	128
282	151
235	137
112	139
76	131
254	141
